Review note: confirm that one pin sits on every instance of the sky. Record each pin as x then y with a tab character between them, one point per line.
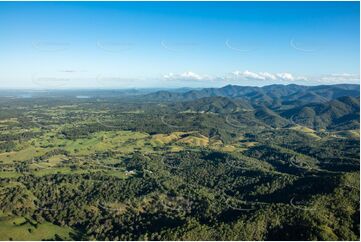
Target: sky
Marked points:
177	44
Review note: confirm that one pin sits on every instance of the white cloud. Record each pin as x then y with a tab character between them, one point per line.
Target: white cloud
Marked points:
262	76
285	76
268	75
186	76
339	78
265	78
191	75
249	75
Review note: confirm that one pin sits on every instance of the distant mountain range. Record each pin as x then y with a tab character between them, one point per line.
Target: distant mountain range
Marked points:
318	107
335	107
272	95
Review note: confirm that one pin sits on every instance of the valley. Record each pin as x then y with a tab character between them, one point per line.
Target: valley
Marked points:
232	163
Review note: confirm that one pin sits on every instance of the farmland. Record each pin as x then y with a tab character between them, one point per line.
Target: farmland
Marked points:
116	168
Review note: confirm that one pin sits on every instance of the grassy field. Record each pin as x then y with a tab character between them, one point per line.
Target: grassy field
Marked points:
21	228
306	130
10	174
81	152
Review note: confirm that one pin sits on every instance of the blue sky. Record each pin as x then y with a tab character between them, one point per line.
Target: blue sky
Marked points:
177	44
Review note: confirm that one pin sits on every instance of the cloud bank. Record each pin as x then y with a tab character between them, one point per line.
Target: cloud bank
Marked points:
263	78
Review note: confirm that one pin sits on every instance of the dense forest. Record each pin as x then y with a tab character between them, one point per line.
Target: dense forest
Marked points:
279	162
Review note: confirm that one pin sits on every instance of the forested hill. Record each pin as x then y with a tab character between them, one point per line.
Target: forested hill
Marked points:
234	163
335	107
266	94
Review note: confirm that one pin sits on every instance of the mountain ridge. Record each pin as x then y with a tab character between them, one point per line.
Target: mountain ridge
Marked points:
265	94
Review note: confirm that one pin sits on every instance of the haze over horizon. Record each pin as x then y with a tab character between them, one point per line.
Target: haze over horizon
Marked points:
62	45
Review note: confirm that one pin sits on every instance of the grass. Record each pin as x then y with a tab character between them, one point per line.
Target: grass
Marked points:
306	130
188	138
25	154
119	173
123	141
58	170
228	148
194	140
162	139
351	134
116	173
9	174
21	228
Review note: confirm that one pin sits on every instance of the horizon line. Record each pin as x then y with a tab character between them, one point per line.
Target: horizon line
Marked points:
161	88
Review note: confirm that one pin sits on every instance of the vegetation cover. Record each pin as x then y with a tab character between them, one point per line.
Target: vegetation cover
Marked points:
233	163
